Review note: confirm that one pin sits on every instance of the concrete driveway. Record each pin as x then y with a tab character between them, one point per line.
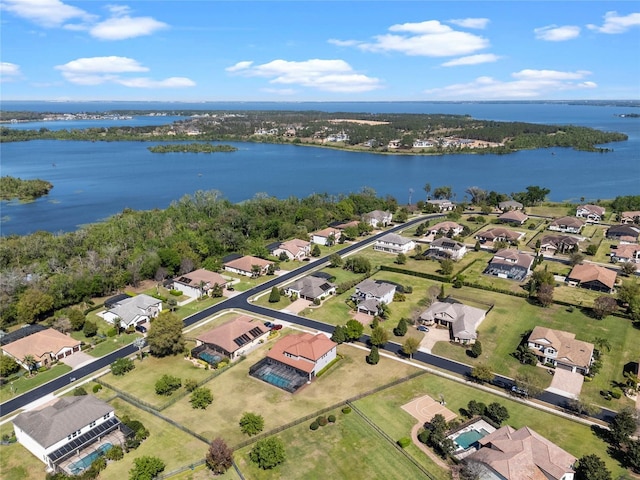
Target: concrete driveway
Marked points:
77	359
565	383
297	306
433	336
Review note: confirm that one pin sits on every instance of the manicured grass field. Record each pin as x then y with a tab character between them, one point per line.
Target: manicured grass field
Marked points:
112	344
16	462
26	383
348	449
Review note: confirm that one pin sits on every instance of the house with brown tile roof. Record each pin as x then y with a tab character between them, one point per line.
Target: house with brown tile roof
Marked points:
248	266
593	277
567	225
499	234
198	283
304	352
591	213
561	349
326	236
515	217
627	253
295	249
630	217
559	244
232	339
444	228
46	347
523	454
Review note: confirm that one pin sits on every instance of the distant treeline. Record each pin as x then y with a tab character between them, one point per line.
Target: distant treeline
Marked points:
12	187
192	148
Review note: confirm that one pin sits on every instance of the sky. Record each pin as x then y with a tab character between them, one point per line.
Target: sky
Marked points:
278	51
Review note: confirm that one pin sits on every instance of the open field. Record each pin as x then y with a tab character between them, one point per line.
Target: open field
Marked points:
348	449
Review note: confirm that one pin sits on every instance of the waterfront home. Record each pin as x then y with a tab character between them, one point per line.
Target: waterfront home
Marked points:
627	253
448	228
561	349
295	249
198	283
328	236
591	213
567	225
593	277
553	244
510	205
132	311
65	432
499	234
462	320
45	346
377	218
630	217
627	233
248	266
515	217
421	143
510	264
444	247
370	294
509	454
311	288
442	205
394	243
231	339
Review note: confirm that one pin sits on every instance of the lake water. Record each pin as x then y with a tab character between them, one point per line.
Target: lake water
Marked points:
94	180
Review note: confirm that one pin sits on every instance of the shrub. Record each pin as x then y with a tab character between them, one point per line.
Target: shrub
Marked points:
616	393
251	423
314	425
175	293
268	453
201	398
79	392
190	384
112	332
96	388
167	384
331	418
122	366
346	410
114	453
322	421
90	328
404	442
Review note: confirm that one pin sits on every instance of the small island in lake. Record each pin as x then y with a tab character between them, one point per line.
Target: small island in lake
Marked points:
25	190
191	148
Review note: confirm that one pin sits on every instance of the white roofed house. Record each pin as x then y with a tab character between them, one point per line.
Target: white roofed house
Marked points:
461	319
370	294
198	283
394	243
378	218
327	236
63	433
133	311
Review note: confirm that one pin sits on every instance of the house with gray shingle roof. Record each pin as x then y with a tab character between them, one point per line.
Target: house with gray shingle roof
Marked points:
394	243
133	311
378	218
461	319
311	288
371	293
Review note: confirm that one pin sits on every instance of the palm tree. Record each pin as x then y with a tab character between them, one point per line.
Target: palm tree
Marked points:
30	361
602	343
427	189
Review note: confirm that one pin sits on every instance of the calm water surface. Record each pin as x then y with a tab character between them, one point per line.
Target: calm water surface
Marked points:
93	180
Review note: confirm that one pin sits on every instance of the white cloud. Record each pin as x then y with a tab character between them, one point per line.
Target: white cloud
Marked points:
325	75
344	43
528	84
472	60
9	72
122	26
430	39
479	23
99	70
614	23
47	13
554	33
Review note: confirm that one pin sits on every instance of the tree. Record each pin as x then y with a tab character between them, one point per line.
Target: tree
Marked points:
591	467
353	330
165	335
379	336
274	297
401	329
268	453
529	383
446	266
122	366
173	303
603	306
374	356
335	260
401	259
545	294
632	455
357	264
77	318
476	408
339	334
219	456
315	251
623	425
427	189
410	346
628	268
90	328
146	468
496	412
31	362
201	398
481	373
8	366
476	349
576	258
167	384
62	324
33	305
139	343
251	423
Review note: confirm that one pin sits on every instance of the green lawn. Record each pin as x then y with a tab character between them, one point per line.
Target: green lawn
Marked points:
555	210
16	462
348	449
26	383
112	344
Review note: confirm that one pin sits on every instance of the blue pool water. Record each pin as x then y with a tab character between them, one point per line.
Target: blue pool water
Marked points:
466	439
85	462
276	380
210	359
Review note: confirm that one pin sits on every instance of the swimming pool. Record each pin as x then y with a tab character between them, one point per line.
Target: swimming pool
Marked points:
210	359
466	439
85	462
277	380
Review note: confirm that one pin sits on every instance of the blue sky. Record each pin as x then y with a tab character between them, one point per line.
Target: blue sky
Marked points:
319	50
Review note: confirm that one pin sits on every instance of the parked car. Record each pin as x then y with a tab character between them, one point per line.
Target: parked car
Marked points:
422	328
276	326
141	328
268	324
519	391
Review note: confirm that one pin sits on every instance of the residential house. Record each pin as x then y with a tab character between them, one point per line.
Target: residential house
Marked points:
462	320
295	249
442	204
510	205
231	339
591	213
567	225
378	218
624	233
45	346
327	236
132	311
370	294
510	264
62	433
509	454
394	243
421	143
311	288
447	228
248	266
561	349
21	332
515	217
627	253
630	217
351	224
553	244
394	144
593	277
499	234
198	283
444	247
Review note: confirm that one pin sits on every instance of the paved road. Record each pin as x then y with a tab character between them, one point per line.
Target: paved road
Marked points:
241	301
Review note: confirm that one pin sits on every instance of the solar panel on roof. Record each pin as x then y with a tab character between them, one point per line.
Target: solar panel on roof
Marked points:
255	332
78	442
